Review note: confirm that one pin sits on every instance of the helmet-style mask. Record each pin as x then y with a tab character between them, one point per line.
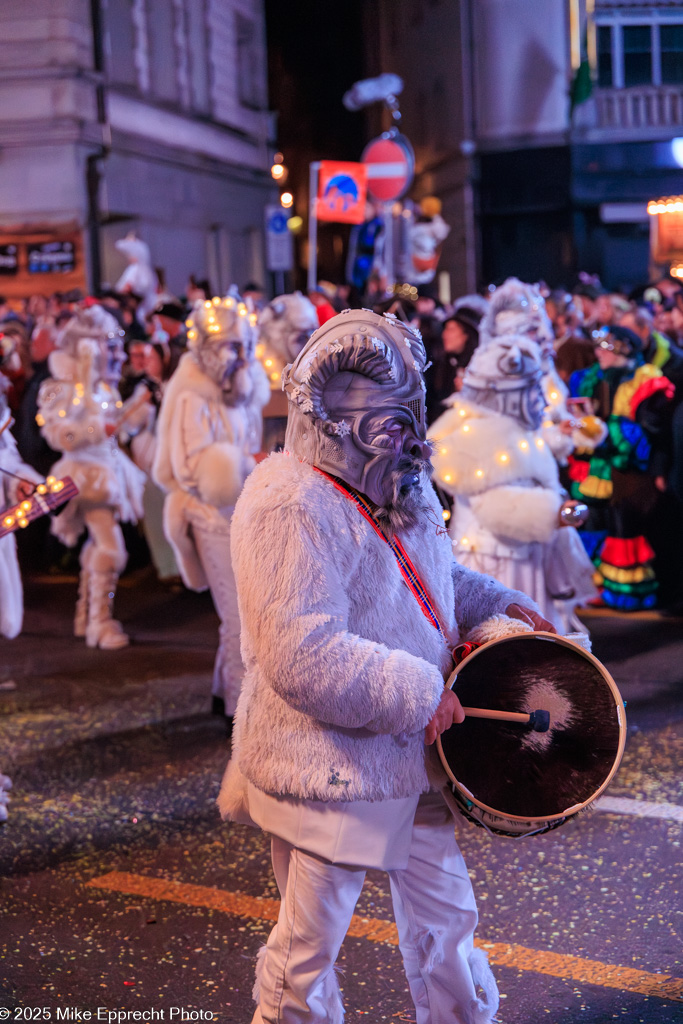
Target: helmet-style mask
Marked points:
221	338
505	377
284	327
518	308
356	406
95	324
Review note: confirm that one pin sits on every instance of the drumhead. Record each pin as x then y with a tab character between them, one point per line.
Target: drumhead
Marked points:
507	770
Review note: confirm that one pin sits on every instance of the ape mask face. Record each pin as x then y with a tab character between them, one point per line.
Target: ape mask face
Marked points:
221	337
505	377
357	411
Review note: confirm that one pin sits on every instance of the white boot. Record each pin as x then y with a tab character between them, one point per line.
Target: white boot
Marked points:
5	786
102	630
81	613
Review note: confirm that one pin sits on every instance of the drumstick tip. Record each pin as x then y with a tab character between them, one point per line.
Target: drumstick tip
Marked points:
539	720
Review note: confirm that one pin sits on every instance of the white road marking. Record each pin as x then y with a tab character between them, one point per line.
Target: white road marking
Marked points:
639	808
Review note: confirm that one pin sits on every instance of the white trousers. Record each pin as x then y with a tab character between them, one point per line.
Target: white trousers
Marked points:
435	913
214	554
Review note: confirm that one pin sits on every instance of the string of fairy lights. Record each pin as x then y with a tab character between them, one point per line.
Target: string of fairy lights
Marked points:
20	514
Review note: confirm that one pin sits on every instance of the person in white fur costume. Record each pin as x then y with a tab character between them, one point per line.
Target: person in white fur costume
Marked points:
343	695
139	276
209	430
80	410
17	481
517	308
511	517
284	327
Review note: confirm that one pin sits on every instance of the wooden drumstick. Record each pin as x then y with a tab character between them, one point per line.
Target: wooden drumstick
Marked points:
539	720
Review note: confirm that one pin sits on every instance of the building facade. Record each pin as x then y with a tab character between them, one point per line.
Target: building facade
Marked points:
538	177
144	116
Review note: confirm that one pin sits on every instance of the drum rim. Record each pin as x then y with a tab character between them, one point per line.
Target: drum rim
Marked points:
621	718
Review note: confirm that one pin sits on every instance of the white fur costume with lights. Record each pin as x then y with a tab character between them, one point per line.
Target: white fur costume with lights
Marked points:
517	308
504	479
79	408
209	429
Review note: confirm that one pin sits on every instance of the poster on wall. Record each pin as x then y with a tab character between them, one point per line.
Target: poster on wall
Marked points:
9	261
51	257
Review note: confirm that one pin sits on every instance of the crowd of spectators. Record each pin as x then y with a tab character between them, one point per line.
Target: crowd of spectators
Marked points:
651	317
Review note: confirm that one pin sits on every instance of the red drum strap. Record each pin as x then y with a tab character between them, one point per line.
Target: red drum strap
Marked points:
408	570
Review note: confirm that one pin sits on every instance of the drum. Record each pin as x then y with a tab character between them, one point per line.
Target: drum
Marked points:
505	776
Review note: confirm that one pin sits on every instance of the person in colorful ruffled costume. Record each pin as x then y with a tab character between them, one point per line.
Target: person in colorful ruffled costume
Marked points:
632	398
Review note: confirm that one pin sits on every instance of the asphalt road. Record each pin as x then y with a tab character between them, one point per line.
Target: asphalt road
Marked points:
123	893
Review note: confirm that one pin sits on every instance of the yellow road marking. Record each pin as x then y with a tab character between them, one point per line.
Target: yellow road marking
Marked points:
504	954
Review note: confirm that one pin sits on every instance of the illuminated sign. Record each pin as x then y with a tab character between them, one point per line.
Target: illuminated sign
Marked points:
51	258
9	263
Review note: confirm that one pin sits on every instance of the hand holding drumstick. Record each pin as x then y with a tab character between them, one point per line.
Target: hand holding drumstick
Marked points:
450	711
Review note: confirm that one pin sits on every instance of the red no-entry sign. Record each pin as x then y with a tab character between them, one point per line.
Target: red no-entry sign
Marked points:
390	163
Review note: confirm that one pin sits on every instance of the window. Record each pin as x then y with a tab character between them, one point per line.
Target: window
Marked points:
248	64
671	47
637	42
162	54
198	56
120	42
605	56
636	55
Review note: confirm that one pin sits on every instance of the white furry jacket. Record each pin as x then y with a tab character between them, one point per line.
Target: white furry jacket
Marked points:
203	456
343	669
11	592
504	480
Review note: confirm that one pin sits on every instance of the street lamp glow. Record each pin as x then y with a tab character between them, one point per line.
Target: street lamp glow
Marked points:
286	200
277	171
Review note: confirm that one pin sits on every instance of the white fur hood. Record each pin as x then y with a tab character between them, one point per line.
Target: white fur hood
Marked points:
343	669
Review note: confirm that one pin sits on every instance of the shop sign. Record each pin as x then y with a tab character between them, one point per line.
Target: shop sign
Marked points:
9	263
51	257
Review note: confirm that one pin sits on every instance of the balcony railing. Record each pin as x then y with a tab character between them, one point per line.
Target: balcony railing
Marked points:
639	109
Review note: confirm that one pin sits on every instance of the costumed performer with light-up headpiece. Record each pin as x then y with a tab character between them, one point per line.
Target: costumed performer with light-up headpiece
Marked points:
209	430
511	517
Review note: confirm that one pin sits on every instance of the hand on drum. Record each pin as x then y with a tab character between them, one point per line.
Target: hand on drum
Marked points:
448	713
528	615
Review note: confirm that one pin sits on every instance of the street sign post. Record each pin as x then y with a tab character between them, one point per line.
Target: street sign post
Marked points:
390	163
337	192
279	245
